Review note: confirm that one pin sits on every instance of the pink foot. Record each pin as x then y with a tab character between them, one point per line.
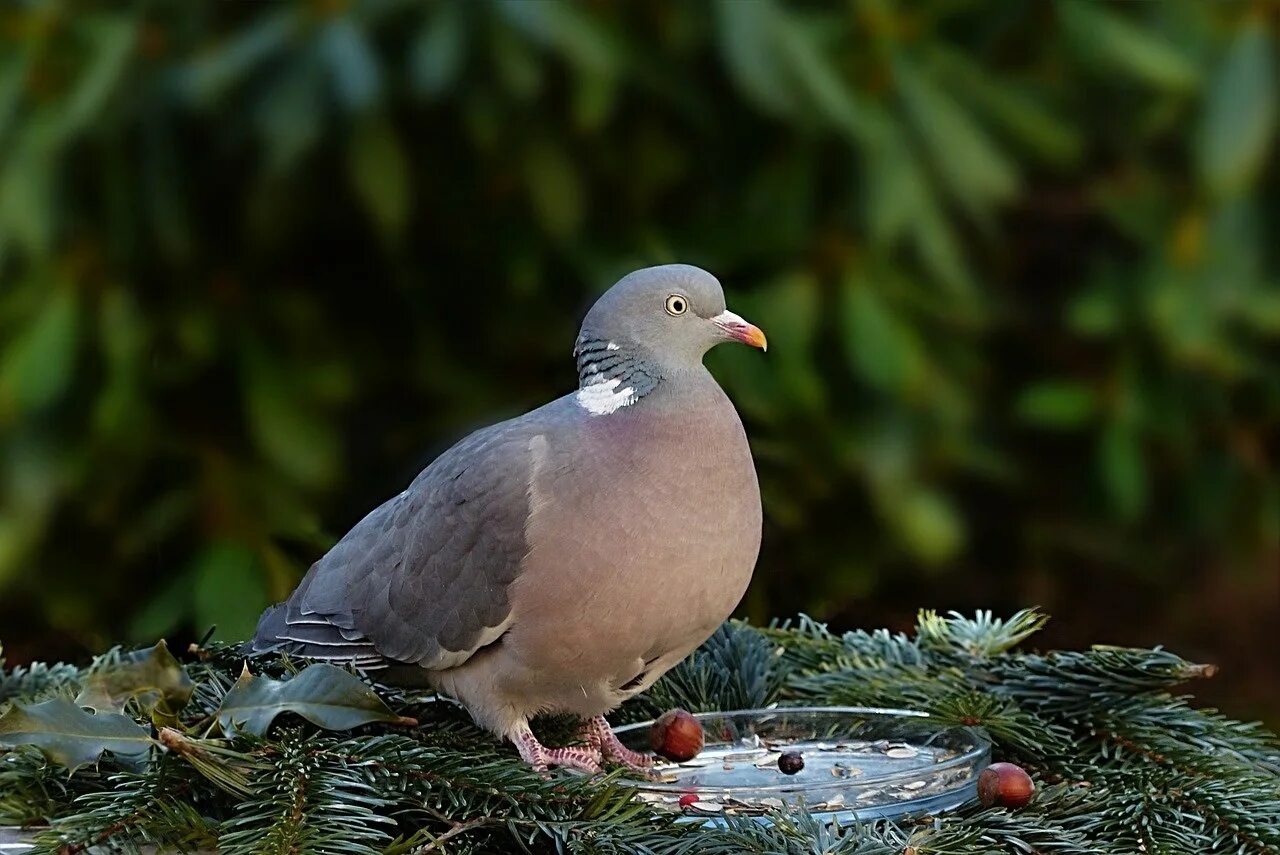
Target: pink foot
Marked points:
537	755
600	736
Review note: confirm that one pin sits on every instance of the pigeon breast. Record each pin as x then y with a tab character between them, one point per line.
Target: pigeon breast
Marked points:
644	530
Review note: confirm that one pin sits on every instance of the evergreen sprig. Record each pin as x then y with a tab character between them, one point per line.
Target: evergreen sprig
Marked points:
163	807
1123	765
37	681
735	669
308	799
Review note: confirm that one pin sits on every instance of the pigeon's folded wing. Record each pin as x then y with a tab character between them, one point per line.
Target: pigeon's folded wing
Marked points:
424	578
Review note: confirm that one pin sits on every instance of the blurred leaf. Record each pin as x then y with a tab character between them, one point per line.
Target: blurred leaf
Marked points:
352	65
282	509
1123	471
897	191
518	65
112	39
19	535
1111	40
288	431
151	672
218	69
71	737
927	524
575	35
1181	313
1094	312
1240	113
291	113
167	203
36	367
380	173
750	381
15	66
1056	404
438	51
323	694
594	99
27	192
166	609
879	347
554	188
1019	112
808	64
281	573
791	303
936	241
229	589
747	36
120	406
976	171
1262	311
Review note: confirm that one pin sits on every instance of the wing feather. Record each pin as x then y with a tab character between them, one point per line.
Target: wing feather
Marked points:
423	578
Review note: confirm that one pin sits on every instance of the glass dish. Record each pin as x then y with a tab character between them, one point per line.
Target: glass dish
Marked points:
858	763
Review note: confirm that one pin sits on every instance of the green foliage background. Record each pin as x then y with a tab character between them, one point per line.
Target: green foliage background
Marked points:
1016	260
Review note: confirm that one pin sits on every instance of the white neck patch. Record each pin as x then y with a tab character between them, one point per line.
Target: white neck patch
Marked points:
600	399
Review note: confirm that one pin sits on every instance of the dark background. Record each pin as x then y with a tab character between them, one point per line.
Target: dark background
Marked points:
1016	260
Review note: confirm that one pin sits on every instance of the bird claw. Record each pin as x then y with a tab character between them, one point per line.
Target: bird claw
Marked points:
602	744
600	736
583	758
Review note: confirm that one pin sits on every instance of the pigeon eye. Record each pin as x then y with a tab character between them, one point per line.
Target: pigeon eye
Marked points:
677	305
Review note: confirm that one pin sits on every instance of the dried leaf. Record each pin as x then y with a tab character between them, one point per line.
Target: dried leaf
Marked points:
153	675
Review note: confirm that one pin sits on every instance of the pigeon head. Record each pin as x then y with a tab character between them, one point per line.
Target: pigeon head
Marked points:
653	324
669	315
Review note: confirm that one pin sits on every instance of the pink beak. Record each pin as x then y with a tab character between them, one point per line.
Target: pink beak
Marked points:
738	329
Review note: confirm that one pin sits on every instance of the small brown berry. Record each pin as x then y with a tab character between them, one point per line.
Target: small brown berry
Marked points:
1005	785
791	762
676	735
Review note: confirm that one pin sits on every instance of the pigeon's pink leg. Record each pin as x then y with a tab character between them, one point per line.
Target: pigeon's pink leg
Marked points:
585	757
601	737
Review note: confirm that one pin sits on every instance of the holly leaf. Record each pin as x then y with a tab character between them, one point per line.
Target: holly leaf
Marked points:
152	675
72	737
323	694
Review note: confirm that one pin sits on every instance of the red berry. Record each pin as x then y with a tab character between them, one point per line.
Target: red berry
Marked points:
687	799
1005	785
676	735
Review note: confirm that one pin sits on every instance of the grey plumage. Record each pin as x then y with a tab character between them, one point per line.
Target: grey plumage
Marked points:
564	559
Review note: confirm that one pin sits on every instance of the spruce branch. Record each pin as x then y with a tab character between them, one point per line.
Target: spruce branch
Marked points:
159	807
736	668
810	648
1168	730
982	635
34	791
1072	682
792	834
37	682
1122	764
306	800
1161	810
1014	728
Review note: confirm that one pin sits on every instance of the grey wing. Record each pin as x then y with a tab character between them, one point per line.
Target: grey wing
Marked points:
424	578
